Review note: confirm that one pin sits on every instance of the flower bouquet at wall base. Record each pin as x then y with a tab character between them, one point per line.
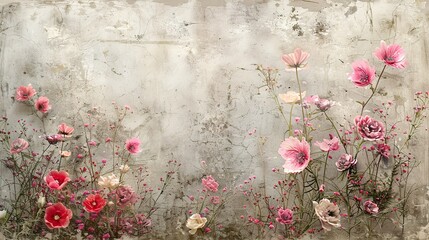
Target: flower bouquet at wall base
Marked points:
338	174
61	184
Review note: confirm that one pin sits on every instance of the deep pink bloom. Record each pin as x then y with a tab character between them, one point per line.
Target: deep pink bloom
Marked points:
57	179
54	139
363	74
345	162
370	129
18	145
94	203
329	144
24	93
384	150
284	216
133	145
57	216
65	130
295	153
210	184
370	207
42	104
296	60
125	196
392	55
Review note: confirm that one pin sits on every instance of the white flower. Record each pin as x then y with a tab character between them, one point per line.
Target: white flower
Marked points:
41	201
124	168
3	214
194	222
110	181
291	97
328	213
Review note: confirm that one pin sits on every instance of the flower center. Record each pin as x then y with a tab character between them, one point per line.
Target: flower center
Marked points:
331	213
300	158
94	203
56	217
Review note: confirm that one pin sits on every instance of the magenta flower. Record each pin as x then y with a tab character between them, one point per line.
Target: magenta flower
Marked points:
370	207
295	153
133	145
210	184
24	93
42	104
363	74
285	216
370	129
328	144
125	196
296	60
345	162
18	145
384	150
392	55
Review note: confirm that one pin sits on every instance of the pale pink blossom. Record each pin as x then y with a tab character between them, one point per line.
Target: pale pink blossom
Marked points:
125	196
63	129
363	74
284	216
328	144
392	55
369	128
18	145
25	93
210	184
291	97
370	207
328	213
42	104
345	162
133	145
324	104
296	60
295	153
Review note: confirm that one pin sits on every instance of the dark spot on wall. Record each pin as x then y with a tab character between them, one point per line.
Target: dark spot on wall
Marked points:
298	29
351	11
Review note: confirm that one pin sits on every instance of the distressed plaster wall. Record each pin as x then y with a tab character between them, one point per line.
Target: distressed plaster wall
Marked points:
186	69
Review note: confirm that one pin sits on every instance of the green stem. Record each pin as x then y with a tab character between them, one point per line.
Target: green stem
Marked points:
300	98
374	90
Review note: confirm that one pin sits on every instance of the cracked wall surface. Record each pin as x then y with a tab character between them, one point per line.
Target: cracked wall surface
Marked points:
187	69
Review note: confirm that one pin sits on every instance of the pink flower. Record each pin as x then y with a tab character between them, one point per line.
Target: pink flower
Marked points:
328	144
94	203
54	139
210	184
296	60
363	74
295	153
392	55
133	145
370	207
65	130
345	162
370	129
285	216
24	93
215	200
18	145
42	104
324	104
57	180
384	150
125	196
57	216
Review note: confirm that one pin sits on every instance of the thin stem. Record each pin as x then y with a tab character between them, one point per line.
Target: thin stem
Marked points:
374	90
300	98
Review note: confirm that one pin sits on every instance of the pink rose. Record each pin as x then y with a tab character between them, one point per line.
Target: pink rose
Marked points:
370	207
370	129
345	162
285	216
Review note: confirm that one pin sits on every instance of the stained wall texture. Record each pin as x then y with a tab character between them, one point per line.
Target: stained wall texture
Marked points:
186	68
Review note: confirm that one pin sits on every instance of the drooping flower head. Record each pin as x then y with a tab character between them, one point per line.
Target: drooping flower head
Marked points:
57	216
57	179
195	222
125	196
94	203
65	130
291	97
363	74
25	93
324	104
18	145
328	213
296	60
345	162
370	207
42	104
133	145
284	216
295	153
392	55
210	184
329	145
370	129
54	139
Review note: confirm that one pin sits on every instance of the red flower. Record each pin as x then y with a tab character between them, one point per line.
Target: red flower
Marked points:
57	216
24	93
57	180
65	130
42	104
94	203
